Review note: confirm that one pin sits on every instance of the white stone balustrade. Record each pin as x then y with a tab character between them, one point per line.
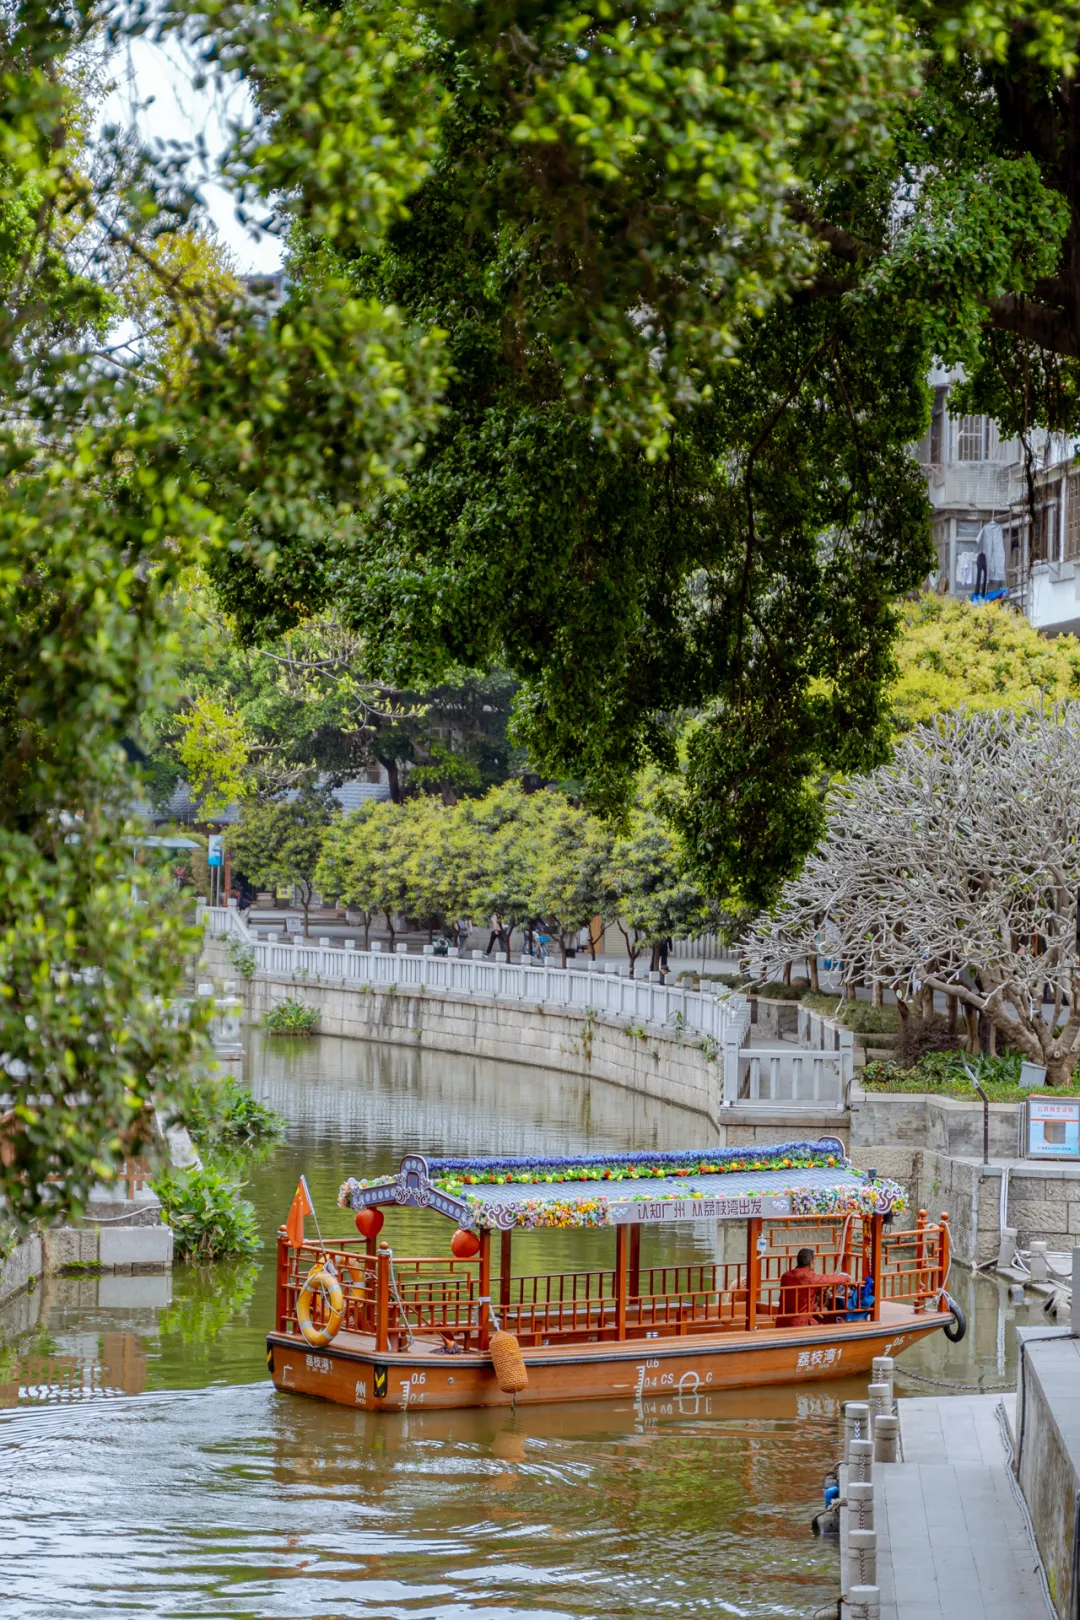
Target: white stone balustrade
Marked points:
813	1075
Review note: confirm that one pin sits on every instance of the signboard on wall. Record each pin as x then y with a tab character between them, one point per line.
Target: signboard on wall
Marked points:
1053	1128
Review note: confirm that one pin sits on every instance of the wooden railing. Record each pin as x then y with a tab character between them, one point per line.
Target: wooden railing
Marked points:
441	1298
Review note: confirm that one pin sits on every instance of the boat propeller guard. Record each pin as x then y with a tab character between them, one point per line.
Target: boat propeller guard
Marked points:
321	1280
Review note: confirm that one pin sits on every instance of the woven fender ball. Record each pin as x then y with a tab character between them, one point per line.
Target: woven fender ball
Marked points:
509	1364
464	1244
369	1222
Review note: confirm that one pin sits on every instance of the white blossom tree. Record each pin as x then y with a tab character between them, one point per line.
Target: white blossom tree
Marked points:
955	869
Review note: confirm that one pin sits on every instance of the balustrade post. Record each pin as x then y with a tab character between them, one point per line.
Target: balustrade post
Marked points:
485	1288
875	1263
731	1069
753	1273
621	1236
382	1299
282	1290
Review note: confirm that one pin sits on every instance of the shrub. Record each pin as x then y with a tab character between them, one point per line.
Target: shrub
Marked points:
241	955
208	1217
942	1074
221	1111
291	1017
860	1016
920	1037
777	990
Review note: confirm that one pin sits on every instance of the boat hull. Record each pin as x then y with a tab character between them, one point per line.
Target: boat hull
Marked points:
351	1373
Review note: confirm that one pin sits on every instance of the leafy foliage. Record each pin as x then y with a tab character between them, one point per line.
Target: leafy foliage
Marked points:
241	956
291	1017
521	857
209	1218
277	844
984	656
944	1074
222	1113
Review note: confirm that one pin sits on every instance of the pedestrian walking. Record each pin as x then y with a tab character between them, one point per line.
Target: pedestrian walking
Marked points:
496	933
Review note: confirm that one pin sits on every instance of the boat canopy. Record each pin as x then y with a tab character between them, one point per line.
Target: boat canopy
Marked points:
603	1190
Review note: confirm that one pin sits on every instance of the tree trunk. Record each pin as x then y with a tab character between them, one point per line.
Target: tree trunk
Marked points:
971	1024
878	995
508	934
393	777
811	963
787	972
952	1004
367	930
1059	1069
389	915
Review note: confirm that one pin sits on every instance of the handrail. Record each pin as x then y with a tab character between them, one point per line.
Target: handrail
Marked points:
440	1297
587	993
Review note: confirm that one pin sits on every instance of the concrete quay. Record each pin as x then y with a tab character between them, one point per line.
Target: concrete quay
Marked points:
953	1541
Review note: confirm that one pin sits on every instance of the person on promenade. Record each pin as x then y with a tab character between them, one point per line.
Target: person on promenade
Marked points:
496	933
801	1289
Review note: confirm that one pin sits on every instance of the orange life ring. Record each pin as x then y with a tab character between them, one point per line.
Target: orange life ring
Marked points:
320	1281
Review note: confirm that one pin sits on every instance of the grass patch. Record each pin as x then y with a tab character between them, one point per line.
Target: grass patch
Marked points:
860	1016
942	1074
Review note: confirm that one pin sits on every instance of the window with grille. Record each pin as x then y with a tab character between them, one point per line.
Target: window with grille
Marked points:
1072	518
1044	532
975	439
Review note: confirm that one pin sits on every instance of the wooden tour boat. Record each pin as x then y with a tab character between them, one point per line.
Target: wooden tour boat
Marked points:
358	1324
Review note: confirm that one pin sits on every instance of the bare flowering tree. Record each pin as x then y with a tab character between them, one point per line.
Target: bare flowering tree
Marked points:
955	869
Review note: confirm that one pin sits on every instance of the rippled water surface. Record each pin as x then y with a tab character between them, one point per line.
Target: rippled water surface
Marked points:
147	1467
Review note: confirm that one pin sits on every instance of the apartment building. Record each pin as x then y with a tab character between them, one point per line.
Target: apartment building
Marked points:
1019	510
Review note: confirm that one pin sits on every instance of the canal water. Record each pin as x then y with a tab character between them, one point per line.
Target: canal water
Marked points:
148	1468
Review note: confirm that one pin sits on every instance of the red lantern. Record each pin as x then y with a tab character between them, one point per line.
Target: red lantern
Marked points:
464	1244
369	1222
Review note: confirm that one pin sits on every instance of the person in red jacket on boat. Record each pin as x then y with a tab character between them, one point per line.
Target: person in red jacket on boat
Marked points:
800	1290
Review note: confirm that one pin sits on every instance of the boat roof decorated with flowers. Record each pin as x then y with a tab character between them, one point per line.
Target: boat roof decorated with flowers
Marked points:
603	1190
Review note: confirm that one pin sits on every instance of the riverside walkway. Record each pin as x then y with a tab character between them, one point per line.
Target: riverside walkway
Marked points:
953	1543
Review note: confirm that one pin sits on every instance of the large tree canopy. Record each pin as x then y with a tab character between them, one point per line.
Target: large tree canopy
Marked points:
689	271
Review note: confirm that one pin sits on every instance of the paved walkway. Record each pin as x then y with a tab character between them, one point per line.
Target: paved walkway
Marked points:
952	1542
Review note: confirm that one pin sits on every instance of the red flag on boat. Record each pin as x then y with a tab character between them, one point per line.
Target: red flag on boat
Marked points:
300	1206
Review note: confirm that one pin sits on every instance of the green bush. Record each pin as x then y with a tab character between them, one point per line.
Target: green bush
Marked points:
777	990
241	955
220	1111
291	1017
942	1074
208	1217
860	1016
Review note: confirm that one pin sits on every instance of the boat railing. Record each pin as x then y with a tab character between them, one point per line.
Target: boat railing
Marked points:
394	1298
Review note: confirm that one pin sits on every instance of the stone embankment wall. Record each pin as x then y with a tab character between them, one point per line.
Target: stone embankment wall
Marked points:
645	1059
934	1147
121	1249
1048	1456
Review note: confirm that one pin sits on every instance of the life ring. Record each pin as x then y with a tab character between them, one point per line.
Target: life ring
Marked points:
325	1283
955	1330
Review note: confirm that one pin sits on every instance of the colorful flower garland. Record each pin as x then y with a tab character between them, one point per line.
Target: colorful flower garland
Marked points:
508	1173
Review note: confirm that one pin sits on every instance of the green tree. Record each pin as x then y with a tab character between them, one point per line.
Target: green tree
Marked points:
277	843
569	851
672	471
647	891
981	655
372	861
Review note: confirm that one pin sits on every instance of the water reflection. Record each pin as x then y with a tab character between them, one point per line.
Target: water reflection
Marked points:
148	1467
